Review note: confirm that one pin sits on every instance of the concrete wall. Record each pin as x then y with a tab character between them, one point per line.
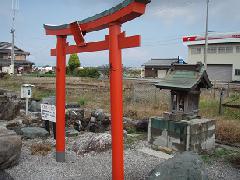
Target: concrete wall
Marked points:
216	58
194	135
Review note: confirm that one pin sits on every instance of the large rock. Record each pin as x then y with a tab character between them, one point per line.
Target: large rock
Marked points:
100	122
10	107
34	132
35	106
186	165
92	142
15	125
135	125
51	100
32	119
74	115
10	148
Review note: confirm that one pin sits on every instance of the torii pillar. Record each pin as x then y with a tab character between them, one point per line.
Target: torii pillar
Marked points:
115	61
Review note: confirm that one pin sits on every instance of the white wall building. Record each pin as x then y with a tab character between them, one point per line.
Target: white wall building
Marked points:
223	58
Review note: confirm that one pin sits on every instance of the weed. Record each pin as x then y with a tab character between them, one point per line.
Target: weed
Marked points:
235	160
219	154
82	101
41	149
228	131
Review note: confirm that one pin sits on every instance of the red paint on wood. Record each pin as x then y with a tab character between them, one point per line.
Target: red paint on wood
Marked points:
125	14
60	93
124	42
115	60
77	34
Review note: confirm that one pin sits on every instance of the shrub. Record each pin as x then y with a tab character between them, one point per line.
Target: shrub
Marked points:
87	72
73	63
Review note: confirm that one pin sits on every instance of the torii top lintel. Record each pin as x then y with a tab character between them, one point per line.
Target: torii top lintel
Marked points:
123	12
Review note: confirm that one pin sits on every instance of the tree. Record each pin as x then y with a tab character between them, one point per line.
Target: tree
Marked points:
73	63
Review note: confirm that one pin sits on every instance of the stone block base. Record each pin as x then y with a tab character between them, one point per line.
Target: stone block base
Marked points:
193	135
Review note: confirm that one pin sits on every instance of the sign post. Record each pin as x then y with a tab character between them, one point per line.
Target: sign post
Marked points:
48	113
26	92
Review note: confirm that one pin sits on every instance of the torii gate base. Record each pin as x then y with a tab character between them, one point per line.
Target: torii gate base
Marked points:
114	42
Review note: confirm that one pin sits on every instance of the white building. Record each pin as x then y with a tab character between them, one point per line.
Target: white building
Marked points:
223	58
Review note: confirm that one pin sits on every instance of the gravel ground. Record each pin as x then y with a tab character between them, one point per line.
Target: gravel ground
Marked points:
91	166
222	170
97	166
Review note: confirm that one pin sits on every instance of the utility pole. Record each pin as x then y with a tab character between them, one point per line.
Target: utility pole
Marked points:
15	5
206	39
12	53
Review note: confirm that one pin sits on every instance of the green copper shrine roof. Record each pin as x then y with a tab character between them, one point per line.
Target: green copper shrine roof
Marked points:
185	77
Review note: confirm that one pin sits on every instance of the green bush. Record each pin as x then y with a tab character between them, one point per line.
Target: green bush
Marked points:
87	72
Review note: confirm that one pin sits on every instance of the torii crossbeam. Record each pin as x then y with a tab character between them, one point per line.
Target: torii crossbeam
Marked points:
114	42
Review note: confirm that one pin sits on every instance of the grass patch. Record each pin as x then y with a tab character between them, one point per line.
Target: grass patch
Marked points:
38	94
82	101
228	131
235	160
41	149
131	140
221	154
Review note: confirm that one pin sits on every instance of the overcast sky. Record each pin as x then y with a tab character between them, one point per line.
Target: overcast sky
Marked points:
161	28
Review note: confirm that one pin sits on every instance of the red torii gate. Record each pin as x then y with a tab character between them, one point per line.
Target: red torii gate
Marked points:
115	41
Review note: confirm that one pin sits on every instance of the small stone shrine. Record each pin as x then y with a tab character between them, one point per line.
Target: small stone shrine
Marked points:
181	128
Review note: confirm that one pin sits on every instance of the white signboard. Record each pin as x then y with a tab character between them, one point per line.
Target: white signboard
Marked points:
48	112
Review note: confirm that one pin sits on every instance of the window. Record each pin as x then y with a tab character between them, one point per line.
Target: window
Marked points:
238	49
237	72
196	51
221	50
1	56
212	50
229	49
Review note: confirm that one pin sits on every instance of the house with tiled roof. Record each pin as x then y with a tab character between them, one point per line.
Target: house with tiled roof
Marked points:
21	63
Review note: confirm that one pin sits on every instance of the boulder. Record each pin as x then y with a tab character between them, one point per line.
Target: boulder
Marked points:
9	109
35	106
34	132
10	148
51	100
15	125
33	119
99	142
186	165
74	115
99	121
72	105
142	125
92	142
135	125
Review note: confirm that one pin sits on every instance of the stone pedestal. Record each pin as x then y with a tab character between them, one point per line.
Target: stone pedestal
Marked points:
185	135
